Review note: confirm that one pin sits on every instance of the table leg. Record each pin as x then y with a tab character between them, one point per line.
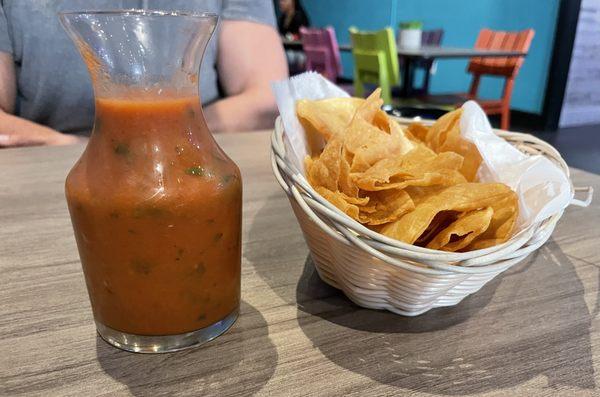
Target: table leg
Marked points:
406	78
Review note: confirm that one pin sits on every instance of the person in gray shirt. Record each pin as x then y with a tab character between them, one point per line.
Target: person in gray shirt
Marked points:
46	94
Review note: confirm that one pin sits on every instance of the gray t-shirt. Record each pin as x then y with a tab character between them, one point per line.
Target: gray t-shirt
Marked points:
53	85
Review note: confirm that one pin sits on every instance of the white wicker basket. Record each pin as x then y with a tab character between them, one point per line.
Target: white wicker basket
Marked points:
377	272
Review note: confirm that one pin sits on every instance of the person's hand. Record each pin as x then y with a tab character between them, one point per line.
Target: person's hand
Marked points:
46	137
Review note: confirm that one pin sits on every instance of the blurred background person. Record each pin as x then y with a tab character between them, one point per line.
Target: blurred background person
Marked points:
291	17
46	94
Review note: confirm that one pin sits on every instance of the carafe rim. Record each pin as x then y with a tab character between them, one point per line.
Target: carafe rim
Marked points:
140	12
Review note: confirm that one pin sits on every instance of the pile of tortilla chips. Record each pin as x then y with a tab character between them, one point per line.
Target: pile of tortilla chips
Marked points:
414	184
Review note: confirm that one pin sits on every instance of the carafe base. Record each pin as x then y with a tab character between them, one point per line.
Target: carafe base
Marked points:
166	343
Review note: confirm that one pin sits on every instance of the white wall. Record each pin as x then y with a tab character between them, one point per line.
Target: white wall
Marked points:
582	97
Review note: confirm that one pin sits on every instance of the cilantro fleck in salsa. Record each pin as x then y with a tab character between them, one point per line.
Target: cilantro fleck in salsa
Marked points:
156	209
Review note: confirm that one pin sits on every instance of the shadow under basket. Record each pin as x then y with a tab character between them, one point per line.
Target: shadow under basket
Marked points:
378	272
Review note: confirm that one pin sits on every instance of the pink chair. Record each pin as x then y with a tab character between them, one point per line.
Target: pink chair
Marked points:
322	51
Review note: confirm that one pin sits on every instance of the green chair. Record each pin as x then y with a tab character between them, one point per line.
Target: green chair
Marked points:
375	61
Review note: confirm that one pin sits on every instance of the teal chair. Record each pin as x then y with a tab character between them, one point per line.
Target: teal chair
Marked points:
375	61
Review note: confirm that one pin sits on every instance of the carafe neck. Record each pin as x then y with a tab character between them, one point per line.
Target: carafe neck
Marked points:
134	54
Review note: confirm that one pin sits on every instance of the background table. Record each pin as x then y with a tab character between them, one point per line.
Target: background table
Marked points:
291	44
431	52
533	331
408	55
428	52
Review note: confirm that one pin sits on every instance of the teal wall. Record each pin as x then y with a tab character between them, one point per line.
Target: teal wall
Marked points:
461	21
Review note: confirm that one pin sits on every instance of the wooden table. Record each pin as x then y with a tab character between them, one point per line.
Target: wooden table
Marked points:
533	331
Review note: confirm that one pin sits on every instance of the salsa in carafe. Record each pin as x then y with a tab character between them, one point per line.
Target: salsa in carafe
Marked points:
156	209
156	205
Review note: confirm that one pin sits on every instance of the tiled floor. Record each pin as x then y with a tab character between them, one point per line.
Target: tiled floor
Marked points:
579	146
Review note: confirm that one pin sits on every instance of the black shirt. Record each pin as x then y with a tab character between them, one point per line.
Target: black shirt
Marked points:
299	19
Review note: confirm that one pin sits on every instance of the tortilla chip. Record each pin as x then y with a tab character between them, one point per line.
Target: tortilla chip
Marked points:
440	221
462	231
461	198
470	153
324	118
417	168
324	171
418	131
444	136
439	131
372	136
401	135
370	111
385	206
502	225
337	199
345	183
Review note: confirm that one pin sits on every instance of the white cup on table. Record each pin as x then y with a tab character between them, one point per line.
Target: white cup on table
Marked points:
410	34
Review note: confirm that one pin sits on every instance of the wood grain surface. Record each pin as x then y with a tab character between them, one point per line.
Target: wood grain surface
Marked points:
533	331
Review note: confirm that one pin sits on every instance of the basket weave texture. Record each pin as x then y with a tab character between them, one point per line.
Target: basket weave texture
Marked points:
377	272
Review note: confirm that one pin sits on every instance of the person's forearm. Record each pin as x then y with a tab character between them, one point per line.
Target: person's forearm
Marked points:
250	110
16	131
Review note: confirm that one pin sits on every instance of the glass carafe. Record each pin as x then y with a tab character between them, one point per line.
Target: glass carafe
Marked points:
155	204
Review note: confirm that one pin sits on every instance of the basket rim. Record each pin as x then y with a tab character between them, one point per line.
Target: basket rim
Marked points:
377	241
